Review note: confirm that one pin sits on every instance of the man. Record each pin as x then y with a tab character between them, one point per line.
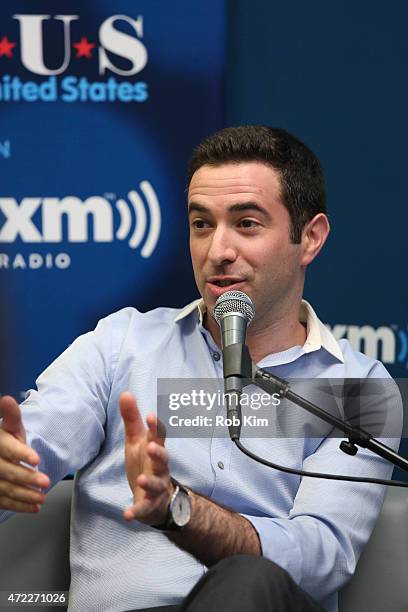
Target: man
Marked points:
272	541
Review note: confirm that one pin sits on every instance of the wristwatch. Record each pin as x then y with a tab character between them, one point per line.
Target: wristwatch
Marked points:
178	511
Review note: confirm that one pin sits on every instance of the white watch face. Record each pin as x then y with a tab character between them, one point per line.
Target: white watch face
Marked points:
180	508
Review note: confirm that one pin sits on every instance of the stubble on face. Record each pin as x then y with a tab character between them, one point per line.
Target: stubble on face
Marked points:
239	229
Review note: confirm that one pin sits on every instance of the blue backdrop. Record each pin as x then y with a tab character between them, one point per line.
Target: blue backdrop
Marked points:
332	73
101	106
99	111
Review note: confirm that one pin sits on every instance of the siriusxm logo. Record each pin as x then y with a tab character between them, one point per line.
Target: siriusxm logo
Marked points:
137	220
389	344
118	35
111	39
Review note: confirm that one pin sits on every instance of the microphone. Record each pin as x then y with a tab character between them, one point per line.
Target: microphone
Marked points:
233	312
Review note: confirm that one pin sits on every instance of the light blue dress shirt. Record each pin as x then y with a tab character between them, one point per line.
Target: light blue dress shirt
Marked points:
315	529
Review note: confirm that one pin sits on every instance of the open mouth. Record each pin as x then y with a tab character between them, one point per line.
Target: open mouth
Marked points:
224	283
216	285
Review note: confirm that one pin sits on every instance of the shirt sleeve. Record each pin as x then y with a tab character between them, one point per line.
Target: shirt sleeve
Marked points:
321	540
65	416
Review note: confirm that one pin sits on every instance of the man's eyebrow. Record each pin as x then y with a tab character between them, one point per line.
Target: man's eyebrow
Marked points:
196	207
244	206
241	207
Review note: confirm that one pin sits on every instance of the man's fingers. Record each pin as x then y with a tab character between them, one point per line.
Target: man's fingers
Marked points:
152	485
11	413
160	458
18	474
134	427
129	513
22	494
140	510
16	506
137	510
12	449
157	431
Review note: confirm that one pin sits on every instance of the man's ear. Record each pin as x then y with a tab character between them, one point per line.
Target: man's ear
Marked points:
314	236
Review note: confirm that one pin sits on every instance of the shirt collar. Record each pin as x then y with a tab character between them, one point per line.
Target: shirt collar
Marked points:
318	336
197	304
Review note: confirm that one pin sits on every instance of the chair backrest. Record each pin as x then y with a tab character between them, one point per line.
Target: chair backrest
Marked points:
381	578
34	554
34	548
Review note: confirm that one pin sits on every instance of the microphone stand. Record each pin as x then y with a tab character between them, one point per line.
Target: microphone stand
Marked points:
240	366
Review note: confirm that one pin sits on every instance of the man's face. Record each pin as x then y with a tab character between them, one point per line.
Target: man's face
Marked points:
239	237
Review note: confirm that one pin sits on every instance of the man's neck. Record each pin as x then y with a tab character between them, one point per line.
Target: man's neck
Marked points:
281	334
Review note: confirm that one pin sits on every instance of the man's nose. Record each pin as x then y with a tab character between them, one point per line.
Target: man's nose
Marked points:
222	248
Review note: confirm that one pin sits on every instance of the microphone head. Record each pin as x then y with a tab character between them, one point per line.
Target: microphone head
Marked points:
236	302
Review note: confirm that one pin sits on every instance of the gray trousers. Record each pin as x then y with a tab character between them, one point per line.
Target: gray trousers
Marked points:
244	583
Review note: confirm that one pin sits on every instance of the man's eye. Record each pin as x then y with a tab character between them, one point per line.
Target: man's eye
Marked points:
199	224
248	223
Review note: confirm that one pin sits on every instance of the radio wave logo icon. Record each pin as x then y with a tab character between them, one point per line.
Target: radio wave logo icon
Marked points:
144	210
402	335
141	219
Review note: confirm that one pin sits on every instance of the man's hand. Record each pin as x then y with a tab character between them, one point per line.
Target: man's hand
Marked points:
17	482
147	464
213	532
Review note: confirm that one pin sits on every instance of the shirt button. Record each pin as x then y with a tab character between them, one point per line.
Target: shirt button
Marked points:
216	356
220	465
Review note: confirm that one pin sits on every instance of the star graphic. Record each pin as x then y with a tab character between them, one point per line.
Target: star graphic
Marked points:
84	48
6	47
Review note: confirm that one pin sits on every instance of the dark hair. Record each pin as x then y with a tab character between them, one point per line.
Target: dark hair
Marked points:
301	176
